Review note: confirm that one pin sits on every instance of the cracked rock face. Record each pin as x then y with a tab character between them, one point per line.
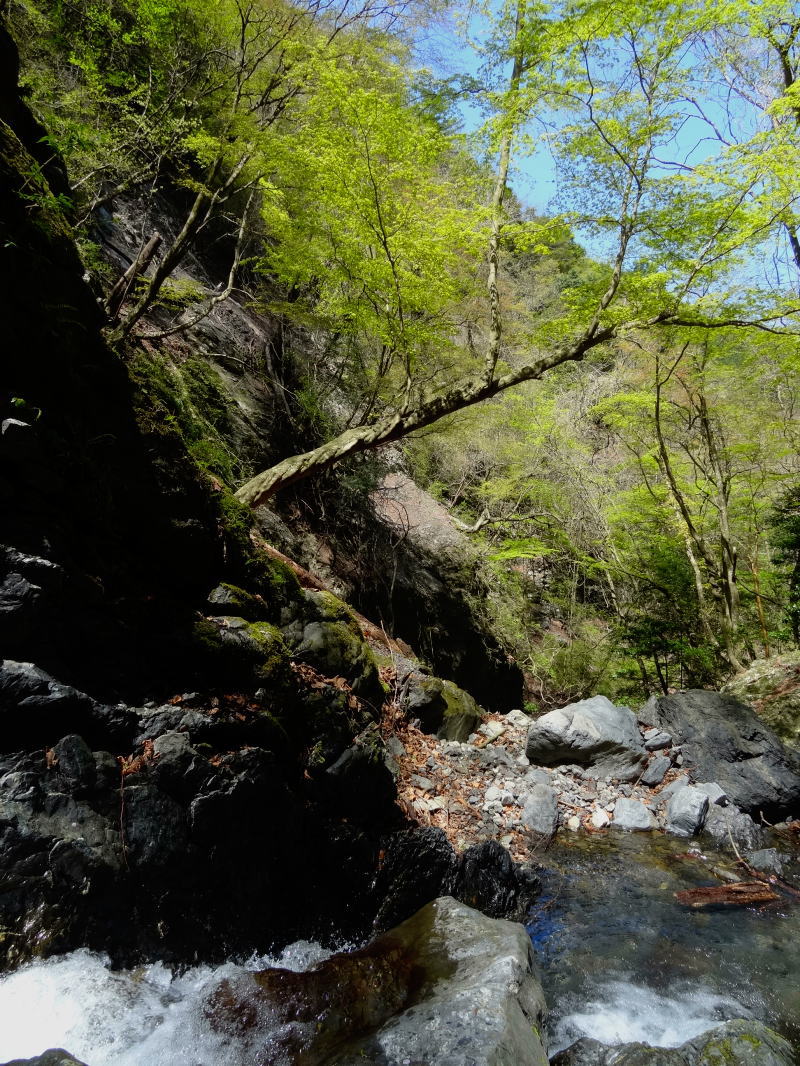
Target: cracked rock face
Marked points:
723	740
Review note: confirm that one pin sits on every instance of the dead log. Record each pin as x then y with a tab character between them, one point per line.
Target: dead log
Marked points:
741	894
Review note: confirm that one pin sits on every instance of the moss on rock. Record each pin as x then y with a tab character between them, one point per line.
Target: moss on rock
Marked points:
336	651
772	688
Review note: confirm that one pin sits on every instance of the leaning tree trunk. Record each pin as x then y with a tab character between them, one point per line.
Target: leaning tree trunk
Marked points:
395	426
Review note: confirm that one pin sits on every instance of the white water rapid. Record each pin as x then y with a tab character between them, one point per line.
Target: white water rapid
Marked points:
141	1017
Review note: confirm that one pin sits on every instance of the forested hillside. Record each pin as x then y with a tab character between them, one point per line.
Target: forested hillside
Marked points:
602	391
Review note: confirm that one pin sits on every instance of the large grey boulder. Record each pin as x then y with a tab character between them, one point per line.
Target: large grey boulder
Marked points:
723	740
686	811
736	1043
592	733
448	986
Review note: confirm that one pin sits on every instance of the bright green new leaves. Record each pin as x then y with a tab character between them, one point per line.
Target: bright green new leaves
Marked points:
373	217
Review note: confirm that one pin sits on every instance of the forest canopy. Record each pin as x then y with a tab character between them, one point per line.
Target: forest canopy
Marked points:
613	376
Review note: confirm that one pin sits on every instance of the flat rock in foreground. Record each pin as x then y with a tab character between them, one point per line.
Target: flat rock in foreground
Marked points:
448	986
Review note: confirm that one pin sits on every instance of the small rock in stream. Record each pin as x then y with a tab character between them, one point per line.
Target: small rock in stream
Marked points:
632	815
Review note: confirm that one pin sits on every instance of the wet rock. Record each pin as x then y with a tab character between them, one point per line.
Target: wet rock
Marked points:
53	1057
686	811
766	859
632	815
447	986
420	864
540	813
488	878
656	771
588	1052
736	1043
723	740
592	733
739	1043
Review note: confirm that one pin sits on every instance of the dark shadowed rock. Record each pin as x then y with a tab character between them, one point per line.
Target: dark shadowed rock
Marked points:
447	986
36	709
591	733
420	864
723	740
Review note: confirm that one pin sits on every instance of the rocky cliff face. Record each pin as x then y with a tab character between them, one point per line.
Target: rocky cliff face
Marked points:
191	758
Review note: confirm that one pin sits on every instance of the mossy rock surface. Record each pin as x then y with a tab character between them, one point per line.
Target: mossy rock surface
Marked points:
228	599
772	688
236	652
336	651
442	707
736	1043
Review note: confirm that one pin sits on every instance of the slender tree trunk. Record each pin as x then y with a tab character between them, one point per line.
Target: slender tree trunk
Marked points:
498	196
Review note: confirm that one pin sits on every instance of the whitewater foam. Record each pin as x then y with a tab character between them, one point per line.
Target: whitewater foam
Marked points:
126	1017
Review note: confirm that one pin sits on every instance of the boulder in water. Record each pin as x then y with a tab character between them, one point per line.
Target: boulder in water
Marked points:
447	986
736	1043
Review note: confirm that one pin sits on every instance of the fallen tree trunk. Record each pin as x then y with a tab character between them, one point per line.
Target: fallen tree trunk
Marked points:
741	894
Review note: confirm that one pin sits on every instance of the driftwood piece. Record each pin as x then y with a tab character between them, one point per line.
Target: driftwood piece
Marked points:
741	893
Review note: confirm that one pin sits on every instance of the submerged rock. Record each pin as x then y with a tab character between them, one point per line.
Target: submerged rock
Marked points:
447	986
736	1043
592	733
